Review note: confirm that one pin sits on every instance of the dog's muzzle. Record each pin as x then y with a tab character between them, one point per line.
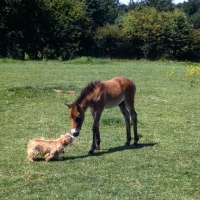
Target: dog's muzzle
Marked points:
75	132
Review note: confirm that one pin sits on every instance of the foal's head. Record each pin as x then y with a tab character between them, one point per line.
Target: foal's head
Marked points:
76	116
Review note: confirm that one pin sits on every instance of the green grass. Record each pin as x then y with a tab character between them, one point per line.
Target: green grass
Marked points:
164	166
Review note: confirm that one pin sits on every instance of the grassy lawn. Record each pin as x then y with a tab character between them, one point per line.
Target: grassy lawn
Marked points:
165	165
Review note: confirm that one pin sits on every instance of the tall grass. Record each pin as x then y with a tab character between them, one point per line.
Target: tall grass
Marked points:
165	165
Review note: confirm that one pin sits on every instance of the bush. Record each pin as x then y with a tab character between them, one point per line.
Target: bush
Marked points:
164	34
109	41
193	74
193	53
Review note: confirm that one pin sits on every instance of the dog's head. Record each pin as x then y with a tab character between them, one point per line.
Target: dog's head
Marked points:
67	139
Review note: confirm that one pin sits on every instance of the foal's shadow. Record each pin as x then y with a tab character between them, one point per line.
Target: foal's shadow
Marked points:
112	150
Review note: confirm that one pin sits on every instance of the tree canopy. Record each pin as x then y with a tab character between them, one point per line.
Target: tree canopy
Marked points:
52	29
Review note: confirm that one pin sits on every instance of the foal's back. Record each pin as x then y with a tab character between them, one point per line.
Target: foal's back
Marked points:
117	90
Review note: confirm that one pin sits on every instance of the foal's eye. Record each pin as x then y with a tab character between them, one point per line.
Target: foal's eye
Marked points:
78	119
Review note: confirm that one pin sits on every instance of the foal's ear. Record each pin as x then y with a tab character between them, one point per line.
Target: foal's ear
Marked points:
68	105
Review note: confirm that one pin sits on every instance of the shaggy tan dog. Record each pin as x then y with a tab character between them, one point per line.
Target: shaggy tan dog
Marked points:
49	149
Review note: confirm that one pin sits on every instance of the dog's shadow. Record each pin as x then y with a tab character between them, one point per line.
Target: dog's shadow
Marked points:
112	150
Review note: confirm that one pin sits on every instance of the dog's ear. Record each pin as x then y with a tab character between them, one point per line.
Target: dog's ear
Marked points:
65	141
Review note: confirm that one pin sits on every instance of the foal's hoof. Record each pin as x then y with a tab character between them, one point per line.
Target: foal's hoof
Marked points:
127	144
135	144
97	148
90	153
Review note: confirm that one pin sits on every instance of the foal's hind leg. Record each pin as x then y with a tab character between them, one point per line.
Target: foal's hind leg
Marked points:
134	120
125	113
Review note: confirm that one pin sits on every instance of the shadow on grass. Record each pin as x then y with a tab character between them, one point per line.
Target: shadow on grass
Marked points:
103	151
112	150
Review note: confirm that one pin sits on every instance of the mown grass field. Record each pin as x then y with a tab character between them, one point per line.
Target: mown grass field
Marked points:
165	165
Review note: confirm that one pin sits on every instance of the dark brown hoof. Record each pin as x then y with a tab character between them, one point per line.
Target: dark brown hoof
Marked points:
135	143
97	148
127	144
90	153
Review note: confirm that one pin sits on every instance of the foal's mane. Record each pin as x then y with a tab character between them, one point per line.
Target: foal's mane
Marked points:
85	91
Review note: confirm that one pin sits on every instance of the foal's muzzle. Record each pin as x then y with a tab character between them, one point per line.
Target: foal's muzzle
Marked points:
75	132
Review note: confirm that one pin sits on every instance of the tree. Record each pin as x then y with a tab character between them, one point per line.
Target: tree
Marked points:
175	34
102	11
159	5
3	28
70	26
42	29
142	28
190	7
109	41
24	27
195	19
194	51
157	34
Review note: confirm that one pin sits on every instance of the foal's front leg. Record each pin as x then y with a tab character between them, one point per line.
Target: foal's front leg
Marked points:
95	129
97	138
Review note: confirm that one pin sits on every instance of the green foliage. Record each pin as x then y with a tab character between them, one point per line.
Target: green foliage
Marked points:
89	60
141	26
163	34
171	73
194	51
190	7
195	19
25	23
102	11
193	74
68	27
159	5
109	40
65	29
176	32
138	21
52	28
